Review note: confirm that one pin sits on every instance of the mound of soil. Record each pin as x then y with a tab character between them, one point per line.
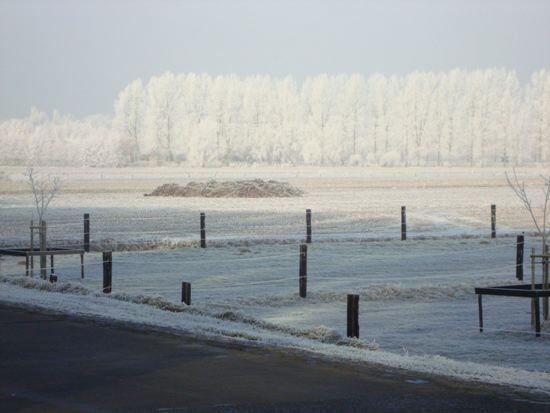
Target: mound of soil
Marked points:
255	188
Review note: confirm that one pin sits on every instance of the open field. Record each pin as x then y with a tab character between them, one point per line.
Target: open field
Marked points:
417	309
366	200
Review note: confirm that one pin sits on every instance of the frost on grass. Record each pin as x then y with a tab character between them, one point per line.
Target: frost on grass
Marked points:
254	188
320	333
42	285
77	289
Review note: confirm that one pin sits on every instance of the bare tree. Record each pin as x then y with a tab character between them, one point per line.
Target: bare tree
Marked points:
540	223
519	189
44	189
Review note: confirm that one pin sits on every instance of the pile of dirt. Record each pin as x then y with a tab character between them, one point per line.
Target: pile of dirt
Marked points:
255	188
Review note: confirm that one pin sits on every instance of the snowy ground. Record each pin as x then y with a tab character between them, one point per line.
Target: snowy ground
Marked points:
417	301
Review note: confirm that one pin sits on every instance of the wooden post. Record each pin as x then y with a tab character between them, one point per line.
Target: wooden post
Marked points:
53	277
32	248
493	221
186	293
537	317
519	256
353	315
532	285
107	271
27	264
403	223
203	230
545	283
43	247
308	226
87	232
480	309
303	271
82	266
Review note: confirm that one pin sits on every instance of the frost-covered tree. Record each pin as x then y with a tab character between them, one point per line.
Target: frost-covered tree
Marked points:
538	102
128	119
351	109
481	117
161	118
318	102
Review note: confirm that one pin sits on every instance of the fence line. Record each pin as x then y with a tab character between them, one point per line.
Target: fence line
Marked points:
316	275
195	237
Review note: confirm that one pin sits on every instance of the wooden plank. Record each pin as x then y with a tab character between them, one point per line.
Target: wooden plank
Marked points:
515	286
56	252
509	292
22	252
14	252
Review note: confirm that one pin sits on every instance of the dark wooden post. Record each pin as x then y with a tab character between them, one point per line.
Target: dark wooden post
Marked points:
107	271
87	232
519	256
537	317
403	223
43	248
533	283
545	283
82	266
480	308
303	271
186	293
203	230
53	277
353	315
493	221
545	263
32	249
308	226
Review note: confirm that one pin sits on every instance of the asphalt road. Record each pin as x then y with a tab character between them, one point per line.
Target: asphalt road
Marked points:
51	363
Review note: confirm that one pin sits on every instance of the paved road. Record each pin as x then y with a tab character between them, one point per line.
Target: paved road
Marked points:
56	364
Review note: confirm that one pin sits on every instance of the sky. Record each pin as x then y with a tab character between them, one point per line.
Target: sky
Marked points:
75	56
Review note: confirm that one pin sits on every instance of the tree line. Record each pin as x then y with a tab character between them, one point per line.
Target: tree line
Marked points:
474	118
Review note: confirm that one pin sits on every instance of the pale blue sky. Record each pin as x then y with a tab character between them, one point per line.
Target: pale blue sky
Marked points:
75	56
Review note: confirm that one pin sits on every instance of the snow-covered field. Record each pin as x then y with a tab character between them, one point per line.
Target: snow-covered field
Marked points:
417	306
